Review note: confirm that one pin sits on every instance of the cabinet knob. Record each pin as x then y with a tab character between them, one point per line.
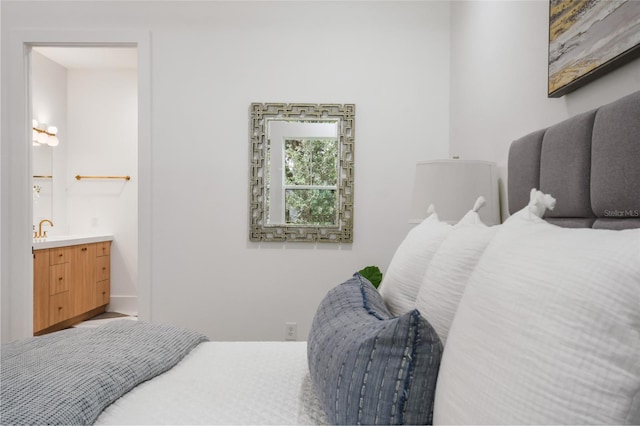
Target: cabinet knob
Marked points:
104	267
60	255
59	308
60	279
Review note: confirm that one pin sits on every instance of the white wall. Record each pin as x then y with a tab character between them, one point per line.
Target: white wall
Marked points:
4	305
102	141
210	60
499	78
377	55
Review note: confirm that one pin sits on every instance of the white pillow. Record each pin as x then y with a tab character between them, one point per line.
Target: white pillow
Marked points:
400	283
547	331
449	272
452	265
472	217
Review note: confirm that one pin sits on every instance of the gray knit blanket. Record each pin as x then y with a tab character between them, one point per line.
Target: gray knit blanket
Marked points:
70	376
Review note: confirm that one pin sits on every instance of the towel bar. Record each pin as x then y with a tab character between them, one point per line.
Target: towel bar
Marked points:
78	177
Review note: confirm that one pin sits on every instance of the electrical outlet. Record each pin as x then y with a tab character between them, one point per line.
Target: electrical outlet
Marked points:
290	331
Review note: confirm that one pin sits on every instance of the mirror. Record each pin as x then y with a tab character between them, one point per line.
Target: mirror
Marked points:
42	165
302	172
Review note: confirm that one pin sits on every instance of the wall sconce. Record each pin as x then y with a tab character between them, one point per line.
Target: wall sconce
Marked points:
44	135
453	186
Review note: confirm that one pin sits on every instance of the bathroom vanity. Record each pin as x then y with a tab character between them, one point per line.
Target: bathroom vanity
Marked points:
71	281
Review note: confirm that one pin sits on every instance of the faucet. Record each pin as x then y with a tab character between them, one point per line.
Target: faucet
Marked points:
40	234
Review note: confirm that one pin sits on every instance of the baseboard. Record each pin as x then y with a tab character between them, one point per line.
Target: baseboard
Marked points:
124	304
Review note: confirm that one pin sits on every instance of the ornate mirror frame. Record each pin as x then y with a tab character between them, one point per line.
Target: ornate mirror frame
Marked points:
260	116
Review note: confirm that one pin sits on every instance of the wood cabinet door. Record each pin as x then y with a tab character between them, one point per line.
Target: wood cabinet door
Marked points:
59	278
103	268
40	290
60	307
103	248
83	289
103	274
59	255
102	293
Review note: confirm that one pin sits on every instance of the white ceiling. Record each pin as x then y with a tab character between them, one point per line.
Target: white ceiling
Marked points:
77	57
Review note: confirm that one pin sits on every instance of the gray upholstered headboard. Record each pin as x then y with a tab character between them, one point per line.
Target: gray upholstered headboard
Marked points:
590	163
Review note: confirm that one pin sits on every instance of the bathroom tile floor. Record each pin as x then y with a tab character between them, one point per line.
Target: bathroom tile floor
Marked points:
105	318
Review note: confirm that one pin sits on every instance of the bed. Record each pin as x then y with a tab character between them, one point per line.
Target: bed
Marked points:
535	321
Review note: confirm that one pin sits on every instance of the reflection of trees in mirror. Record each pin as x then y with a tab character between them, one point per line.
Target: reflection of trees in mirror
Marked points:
310	206
267	186
311	181
311	162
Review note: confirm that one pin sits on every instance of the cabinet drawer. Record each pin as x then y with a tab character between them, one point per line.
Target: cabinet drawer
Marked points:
102	268
59	255
41	272
59	307
102	292
103	248
59	276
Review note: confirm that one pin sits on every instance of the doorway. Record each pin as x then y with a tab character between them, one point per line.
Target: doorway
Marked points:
16	226
88	95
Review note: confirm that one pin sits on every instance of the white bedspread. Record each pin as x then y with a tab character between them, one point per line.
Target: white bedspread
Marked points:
226	383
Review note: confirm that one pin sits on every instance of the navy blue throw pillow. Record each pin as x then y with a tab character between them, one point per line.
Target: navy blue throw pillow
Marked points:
367	366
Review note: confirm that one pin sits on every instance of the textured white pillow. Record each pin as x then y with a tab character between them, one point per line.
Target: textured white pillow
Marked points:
547	331
450	269
449	272
400	284
472	217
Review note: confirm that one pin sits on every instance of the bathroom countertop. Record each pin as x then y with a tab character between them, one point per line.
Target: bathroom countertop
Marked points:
70	240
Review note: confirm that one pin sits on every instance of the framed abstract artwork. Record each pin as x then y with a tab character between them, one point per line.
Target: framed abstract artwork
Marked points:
589	38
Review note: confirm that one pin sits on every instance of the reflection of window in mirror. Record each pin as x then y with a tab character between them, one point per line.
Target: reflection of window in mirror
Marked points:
311	181
301	180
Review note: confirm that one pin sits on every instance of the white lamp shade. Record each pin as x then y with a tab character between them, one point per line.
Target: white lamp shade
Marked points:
53	141
453	186
42	138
